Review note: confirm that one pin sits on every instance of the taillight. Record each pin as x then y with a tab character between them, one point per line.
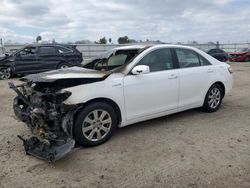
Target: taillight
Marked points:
230	70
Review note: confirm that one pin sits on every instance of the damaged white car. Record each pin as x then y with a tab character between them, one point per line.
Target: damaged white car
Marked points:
79	106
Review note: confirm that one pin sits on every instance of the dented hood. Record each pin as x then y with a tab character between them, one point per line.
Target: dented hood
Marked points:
65	78
73	73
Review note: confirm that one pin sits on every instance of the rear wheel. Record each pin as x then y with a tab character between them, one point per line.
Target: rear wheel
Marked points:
95	124
63	66
213	98
247	59
5	74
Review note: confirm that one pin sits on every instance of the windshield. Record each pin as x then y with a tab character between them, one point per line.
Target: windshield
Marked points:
116	59
112	62
244	50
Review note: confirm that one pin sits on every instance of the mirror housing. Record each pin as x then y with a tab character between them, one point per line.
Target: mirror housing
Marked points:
140	69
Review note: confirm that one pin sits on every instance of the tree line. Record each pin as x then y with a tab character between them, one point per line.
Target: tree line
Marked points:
120	40
103	40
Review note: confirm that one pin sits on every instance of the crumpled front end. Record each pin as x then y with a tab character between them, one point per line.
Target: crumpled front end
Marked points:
48	118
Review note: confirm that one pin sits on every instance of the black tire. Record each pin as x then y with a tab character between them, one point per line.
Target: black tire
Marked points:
247	59
88	138
5	74
63	65
210	106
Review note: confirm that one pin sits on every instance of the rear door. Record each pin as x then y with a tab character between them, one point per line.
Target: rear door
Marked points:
48	57
195	75
71	56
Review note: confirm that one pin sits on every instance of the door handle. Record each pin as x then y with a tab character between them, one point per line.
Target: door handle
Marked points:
172	76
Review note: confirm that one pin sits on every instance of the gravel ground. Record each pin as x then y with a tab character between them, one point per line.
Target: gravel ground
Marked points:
188	149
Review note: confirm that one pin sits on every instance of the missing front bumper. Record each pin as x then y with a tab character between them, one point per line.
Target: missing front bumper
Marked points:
36	148
50	121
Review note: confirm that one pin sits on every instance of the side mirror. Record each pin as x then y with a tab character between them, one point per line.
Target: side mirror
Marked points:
140	69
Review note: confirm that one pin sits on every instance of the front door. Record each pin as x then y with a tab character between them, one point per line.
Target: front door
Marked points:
26	60
154	92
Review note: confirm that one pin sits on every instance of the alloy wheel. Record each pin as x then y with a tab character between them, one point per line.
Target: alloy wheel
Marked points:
5	74
214	98
96	125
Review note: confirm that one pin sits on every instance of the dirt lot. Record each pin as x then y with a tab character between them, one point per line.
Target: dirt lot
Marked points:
189	149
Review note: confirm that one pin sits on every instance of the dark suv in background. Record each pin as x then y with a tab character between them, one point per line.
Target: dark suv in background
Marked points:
218	54
39	58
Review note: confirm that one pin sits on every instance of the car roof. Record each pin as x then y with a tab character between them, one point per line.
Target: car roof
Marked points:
155	46
39	45
130	47
215	49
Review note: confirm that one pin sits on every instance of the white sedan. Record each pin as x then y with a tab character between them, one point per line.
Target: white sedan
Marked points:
155	81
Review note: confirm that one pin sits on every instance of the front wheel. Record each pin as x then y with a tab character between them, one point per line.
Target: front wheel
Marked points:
213	98
94	124
5	74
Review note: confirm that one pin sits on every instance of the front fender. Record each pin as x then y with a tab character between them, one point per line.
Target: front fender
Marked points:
88	92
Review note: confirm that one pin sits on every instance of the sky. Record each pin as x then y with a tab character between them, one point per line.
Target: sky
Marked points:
226	21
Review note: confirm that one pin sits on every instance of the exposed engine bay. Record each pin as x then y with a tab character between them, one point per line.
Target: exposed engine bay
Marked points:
49	120
39	104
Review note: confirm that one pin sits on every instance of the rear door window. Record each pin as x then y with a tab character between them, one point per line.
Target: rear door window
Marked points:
47	50
187	58
203	61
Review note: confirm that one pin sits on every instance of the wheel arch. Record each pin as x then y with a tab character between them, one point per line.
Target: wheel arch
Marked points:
106	100
221	85
61	62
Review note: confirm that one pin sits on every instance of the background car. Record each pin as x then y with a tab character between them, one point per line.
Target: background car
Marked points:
241	55
218	54
39	58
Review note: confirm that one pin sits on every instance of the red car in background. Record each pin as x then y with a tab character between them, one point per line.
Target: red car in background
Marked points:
242	55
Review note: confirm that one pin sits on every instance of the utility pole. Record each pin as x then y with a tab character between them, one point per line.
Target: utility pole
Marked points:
217	44
1	45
